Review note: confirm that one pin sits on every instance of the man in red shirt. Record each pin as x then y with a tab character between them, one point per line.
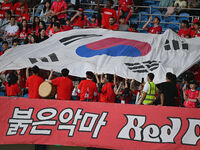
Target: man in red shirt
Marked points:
64	85
112	24
59	8
23	15
87	88
155	29
107	91
17	7
185	30
107	13
33	82
6	5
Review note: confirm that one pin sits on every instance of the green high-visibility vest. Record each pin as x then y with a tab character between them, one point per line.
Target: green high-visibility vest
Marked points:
151	94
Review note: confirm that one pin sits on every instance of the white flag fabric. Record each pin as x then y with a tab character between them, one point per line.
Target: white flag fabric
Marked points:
129	55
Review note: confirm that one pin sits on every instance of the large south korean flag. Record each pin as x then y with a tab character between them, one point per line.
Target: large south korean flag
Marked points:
129	55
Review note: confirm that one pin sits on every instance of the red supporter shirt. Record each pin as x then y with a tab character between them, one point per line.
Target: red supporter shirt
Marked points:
58	7
107	13
24	16
6	6
192	94
16	8
33	83
155	30
183	33
113	27
2	14
78	22
64	87
124	3
66	28
108	94
195	33
12	90
87	89
23	34
90	24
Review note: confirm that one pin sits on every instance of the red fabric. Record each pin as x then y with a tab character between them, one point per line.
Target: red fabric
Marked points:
6	6
155	30
16	8
12	90
107	13
127	99
195	33
124	3
87	87
58	7
1	53
66	28
2	14
108	94
191	95
24	16
183	33
33	83
79	22
36	30
113	27
90	24
64	87
23	34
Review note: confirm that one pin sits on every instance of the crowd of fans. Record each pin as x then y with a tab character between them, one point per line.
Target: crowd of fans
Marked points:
19	27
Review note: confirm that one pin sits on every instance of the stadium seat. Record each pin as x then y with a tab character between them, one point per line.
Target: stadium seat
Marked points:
183	16
89	12
26	96
148	2
2	94
174	27
144	15
154	9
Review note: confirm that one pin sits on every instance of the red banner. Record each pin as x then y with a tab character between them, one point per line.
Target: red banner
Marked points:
102	125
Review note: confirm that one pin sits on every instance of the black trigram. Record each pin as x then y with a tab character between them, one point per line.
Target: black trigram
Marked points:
144	67
73	38
176	45
53	58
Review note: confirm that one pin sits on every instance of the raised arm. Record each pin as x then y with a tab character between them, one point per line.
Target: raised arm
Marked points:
144	27
27	72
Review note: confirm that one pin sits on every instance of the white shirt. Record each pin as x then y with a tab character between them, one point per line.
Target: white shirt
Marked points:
11	29
146	87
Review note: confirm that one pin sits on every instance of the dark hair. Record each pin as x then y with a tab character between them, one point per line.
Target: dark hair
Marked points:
111	2
12	17
27	40
94	16
65	72
186	23
169	76
22	6
12	79
4	42
151	76
15	40
188	35
56	24
35	69
8	12
157	18
122	17
44	9
134	26
89	75
21	26
0	3
174	78
34	23
53	17
110	77
193	82
43	23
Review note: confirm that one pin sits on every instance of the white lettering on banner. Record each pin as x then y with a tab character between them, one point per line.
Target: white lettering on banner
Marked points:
89	122
155	134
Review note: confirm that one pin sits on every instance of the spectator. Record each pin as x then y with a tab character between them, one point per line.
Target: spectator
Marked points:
107	13
23	15
2	13
196	30
7	5
149	91
15	42
33	82
155	29
17	7
42	35
28	39
11	29
53	19
191	95
133	28
56	28
93	22
168	91
34	39
123	24
5	47
12	87
46	13
185	30
64	85
68	25
24	30
112	24
79	20
59	8
6	20
125	6
35	26
87	88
